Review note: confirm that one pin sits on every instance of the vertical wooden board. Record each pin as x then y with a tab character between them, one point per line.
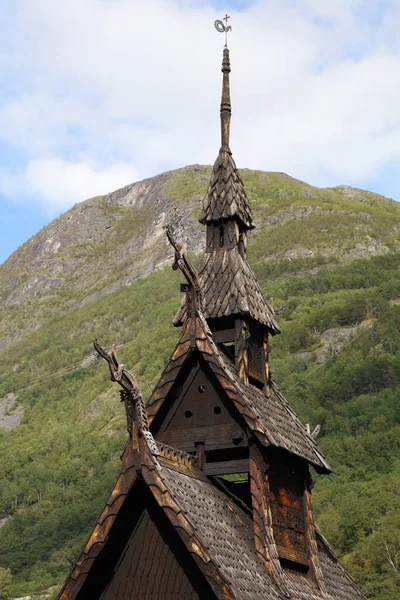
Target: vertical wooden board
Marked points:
209	238
199	406
148	569
241	357
286	490
256	353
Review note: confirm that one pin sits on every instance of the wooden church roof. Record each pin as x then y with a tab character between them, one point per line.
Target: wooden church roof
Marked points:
227	283
229	287
168	530
226	195
268	415
216	531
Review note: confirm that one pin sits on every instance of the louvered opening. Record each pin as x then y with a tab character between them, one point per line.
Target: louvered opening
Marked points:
256	359
286	484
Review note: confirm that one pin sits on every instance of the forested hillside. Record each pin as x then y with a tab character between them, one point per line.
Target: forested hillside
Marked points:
328	260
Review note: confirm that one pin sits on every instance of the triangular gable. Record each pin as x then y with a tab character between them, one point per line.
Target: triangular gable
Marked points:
198	410
174	483
141	472
215	533
148	567
270	417
99	536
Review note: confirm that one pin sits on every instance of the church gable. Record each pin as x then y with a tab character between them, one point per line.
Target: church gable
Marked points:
198	404
199	418
148	568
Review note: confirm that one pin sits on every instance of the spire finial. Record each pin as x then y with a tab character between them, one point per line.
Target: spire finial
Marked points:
226	99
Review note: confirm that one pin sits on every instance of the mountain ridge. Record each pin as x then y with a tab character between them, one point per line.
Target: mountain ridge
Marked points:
329	260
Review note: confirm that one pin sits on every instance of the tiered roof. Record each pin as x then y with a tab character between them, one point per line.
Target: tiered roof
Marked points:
163	503
216	530
226	196
270	416
227	282
229	287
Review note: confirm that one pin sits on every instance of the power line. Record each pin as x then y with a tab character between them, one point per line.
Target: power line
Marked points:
61	372
69	368
24	542
353	339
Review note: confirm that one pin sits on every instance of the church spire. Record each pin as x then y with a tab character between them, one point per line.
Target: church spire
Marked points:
226	110
229	287
226	197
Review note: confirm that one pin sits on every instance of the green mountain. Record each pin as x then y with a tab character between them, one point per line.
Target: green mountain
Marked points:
327	259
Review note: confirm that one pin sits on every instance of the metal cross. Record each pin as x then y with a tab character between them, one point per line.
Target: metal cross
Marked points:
227	28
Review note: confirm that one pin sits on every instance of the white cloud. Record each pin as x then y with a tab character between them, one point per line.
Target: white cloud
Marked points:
136	83
59	183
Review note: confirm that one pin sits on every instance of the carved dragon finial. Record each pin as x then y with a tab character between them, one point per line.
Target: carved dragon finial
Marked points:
131	396
315	432
117	371
181	261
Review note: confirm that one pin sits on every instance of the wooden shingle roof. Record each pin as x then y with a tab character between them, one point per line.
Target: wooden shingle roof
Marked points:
215	529
229	287
226	196
270	416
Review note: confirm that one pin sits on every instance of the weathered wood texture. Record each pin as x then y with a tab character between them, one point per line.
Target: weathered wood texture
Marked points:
241	354
262	519
168	530
215	530
286	485
255	353
148	569
198	406
229	287
100	534
226	196
311	538
269	416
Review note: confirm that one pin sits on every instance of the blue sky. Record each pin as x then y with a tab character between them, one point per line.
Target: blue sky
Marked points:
97	94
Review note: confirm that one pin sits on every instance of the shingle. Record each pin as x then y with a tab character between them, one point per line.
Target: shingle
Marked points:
227	533
226	196
270	414
228	286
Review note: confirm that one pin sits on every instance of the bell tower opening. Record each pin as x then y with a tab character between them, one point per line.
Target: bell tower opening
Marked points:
221	236
288	511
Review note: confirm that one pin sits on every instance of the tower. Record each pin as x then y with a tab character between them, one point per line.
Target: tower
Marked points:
214	495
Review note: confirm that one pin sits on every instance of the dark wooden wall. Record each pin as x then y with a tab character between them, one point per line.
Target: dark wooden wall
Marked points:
288	511
199	415
148	569
142	548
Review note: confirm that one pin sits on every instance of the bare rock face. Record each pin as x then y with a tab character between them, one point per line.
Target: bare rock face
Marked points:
96	232
10	413
100	245
110	241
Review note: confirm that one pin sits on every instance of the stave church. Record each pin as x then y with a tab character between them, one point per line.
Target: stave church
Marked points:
214	497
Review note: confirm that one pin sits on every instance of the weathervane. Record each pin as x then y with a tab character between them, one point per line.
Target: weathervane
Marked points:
219	26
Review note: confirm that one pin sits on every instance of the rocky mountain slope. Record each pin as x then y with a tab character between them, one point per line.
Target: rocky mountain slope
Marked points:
109	241
328	260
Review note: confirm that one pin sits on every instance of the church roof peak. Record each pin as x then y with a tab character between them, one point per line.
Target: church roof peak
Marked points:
226	197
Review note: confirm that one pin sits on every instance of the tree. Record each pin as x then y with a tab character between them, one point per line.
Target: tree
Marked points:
5	583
